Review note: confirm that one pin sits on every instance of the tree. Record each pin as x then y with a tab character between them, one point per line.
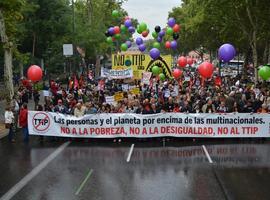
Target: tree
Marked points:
211	23
10	14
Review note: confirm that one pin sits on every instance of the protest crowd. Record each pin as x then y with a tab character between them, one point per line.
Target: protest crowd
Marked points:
85	95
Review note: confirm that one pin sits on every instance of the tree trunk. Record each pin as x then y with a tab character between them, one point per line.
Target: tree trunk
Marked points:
7	46
8	73
255	61
265	53
244	70
268	55
97	67
21	69
34	45
255	54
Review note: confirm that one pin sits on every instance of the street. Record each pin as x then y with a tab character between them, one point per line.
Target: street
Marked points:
152	169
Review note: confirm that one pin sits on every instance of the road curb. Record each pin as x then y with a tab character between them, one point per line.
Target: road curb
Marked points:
2	135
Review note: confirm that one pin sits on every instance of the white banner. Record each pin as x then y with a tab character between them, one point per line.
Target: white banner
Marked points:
144	126
116	74
146	77
110	100
67	49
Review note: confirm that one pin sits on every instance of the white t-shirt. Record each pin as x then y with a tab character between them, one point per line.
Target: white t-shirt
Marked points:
9	117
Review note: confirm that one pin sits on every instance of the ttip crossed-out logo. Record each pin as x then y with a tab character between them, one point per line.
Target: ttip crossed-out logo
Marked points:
41	122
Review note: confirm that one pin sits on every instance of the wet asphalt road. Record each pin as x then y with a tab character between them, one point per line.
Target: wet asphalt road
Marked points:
157	170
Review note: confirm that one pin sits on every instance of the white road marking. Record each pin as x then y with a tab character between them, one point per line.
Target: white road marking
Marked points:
130	152
16	188
84	182
207	154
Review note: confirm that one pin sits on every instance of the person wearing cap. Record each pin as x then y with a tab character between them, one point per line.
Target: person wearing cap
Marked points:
60	108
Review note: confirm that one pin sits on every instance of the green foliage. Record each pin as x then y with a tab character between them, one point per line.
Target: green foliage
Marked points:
39	28
210	23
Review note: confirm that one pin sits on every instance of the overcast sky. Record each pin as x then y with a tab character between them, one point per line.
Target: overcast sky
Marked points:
152	12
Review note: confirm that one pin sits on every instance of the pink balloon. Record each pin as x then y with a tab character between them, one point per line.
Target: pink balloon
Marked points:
34	73
176	28
206	69
167	45
177	73
182	61
116	30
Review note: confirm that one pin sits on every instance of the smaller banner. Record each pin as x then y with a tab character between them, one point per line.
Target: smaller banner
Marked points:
116	74
46	93
146	77
119	96
110	100
135	91
125	87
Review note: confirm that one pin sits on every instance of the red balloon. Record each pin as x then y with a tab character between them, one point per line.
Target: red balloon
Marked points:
167	45
177	73
206	69
145	33
116	30
190	61
176	28
34	73
182	61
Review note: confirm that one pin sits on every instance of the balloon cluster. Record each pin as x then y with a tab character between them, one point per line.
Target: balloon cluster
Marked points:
182	62
143	30
172	30
124	32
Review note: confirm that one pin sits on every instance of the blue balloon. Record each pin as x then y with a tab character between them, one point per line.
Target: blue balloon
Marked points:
154	53
131	29
139	41
161	33
226	52
129	44
128	23
171	22
159	39
142	47
111	30
174	44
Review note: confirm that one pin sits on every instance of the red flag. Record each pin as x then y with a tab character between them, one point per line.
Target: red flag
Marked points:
203	81
76	84
218	81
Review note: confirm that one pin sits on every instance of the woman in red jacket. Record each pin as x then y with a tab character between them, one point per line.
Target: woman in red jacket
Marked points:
23	122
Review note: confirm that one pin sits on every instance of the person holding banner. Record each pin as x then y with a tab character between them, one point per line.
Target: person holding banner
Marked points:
60	108
23	122
209	107
9	120
79	110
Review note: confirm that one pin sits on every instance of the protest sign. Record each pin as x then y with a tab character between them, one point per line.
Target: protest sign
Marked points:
143	126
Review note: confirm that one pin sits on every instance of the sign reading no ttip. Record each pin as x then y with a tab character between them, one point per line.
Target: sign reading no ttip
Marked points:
144	126
41	122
